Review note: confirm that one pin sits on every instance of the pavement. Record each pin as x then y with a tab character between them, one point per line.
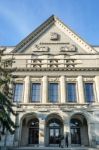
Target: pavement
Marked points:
50	148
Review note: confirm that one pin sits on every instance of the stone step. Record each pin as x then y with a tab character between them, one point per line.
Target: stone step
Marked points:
50	148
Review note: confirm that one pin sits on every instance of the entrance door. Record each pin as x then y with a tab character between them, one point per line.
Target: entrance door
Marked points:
75	131
33	136
55	131
75	136
54	135
34	132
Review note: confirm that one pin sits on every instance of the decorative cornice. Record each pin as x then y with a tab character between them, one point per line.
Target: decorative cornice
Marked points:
57	69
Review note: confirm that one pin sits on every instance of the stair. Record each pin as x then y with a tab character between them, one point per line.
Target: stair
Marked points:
50	148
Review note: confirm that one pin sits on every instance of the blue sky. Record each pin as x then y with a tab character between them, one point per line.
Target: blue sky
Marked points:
18	18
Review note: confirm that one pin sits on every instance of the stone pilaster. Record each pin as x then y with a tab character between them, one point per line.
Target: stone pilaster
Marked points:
63	89
41	132
92	137
81	98
16	135
97	87
67	133
26	89
45	90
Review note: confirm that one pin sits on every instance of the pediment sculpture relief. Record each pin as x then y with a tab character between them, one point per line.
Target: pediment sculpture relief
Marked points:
68	48
54	36
41	48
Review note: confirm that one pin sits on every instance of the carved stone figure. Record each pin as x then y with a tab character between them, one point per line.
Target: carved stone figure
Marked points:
68	47
42	48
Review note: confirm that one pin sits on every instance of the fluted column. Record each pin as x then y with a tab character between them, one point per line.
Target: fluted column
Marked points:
62	89
80	90
45	89
27	89
97	87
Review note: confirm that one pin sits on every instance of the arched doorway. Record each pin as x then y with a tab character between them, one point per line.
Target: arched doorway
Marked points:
75	125
29	130
79	130
33	136
54	130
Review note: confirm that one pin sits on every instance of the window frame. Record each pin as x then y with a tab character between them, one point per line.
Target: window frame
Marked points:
94	95
66	89
58	91
20	101
39	101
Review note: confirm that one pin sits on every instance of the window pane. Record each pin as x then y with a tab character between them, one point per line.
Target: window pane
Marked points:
89	94
18	92
71	92
36	88
53	92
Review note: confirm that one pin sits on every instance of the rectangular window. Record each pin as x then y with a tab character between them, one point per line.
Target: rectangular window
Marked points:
18	92
53	92
36	92
71	92
89	93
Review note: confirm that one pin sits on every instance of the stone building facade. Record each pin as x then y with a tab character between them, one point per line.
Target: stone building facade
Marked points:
56	88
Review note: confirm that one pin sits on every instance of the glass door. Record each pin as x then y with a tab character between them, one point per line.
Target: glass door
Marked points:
75	136
33	136
75	131
33	132
54	135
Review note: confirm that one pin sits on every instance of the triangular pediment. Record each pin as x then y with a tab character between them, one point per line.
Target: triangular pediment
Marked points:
53	37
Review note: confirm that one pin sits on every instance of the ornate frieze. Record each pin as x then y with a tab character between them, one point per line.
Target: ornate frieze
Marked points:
51	107
68	48
71	79
53	79
56	69
88	79
19	80
36	79
41	48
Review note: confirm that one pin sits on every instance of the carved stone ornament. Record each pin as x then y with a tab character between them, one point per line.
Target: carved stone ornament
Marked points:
36	79
54	36
53	79
68	48
41	48
44	49
88	79
71	79
18	80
